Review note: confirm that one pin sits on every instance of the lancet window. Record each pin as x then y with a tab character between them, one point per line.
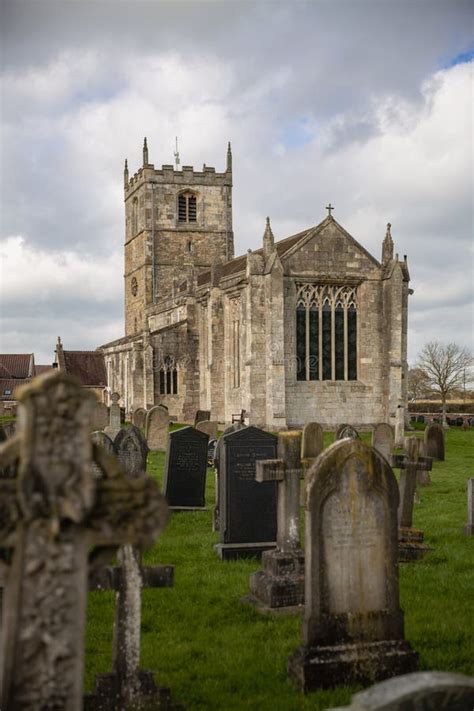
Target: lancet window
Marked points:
168	374
326	332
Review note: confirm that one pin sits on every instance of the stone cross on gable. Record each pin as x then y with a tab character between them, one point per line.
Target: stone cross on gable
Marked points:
53	512
329	208
410	464
287	471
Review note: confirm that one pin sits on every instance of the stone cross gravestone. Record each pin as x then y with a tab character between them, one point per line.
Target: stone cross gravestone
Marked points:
185	469
410	463
434	441
281	582
139	417
353	624
218	456
346	431
202	415
100	439
157	428
128	685
469	527
209	427
383	439
100	416
419	691
114	426
247	508
53	514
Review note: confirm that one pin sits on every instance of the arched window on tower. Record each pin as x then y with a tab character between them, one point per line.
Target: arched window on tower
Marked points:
326	332
187	207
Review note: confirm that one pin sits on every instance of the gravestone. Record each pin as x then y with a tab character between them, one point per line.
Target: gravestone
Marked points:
100	439
209	427
157	429
419	691
127	681
218	456
422	475
201	416
383	439
469	527
185	469
100	416
312	444
114	426
411	463
139	417
2	408
55	515
344	431
434	441
399	425
280	584
352	630
247	508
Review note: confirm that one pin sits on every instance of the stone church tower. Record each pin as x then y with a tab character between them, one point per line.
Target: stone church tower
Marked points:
308	328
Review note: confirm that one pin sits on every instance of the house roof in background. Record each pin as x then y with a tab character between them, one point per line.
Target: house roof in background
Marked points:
17	365
8	386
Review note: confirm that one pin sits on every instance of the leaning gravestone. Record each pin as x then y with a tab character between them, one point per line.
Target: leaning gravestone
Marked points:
280	583
157	428
100	439
434	441
248	522
469	527
139	417
201	416
352	631
383	439
100	416
218	456
115	423
55	514
185	469
419	691
209	427
345	431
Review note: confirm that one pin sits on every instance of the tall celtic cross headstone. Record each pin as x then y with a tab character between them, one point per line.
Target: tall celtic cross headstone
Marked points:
411	463
53	513
128	684
353	624
281	582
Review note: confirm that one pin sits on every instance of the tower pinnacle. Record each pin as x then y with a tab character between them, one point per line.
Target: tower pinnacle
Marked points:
125	174
387	245
268	239
229	158
145	152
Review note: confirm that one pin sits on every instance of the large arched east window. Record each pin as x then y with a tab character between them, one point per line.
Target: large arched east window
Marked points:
187	211
326	332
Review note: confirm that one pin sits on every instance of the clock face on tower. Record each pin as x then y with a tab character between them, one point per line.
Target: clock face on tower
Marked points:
134	286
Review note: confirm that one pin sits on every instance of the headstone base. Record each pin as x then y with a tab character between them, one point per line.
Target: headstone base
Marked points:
314	668
107	695
188	508
281	582
410	545
469	529
233	551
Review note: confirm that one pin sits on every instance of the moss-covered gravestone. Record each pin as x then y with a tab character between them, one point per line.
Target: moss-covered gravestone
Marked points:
353	630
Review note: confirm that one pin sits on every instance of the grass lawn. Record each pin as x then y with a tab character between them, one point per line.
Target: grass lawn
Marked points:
215	653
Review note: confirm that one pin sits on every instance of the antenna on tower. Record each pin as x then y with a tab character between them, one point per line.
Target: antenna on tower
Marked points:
176	154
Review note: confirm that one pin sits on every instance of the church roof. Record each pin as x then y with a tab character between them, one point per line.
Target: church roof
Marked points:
238	264
87	366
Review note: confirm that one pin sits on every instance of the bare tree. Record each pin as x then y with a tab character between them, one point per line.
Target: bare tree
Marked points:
446	367
418	385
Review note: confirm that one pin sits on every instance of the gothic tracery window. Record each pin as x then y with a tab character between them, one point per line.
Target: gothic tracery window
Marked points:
326	332
187	210
168	374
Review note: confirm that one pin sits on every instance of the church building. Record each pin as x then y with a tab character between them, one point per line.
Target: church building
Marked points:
308	328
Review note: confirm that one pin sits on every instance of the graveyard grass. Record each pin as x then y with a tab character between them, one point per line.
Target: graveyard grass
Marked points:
216	653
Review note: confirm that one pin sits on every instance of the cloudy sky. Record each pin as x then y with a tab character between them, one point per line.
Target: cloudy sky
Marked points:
364	103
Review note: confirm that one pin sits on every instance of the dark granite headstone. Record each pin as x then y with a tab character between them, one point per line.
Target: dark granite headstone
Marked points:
434	441
344	431
218	466
131	449
248	509
185	469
